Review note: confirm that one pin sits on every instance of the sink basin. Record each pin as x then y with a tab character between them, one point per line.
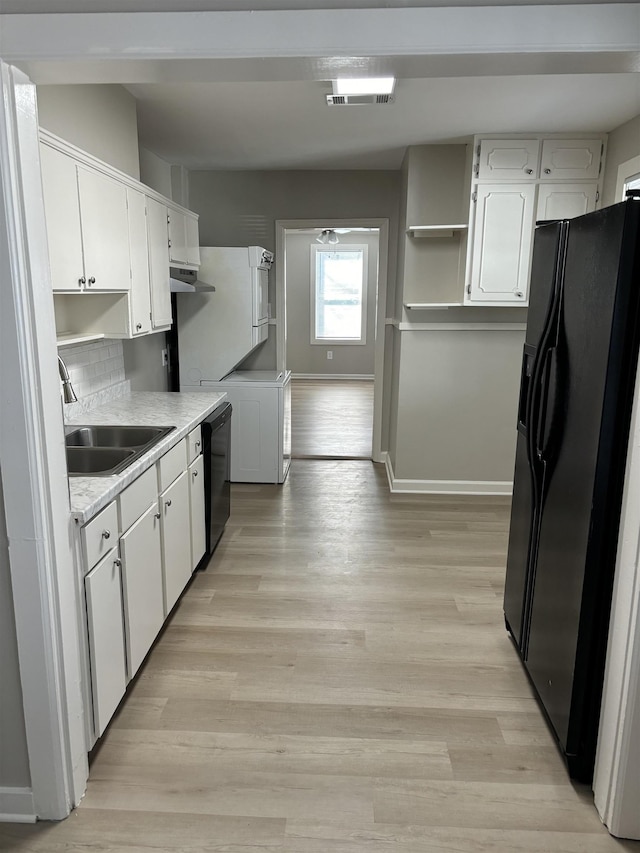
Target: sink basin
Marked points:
115	436
98	461
101	451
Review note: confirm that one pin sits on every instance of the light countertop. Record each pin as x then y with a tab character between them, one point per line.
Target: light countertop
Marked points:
88	495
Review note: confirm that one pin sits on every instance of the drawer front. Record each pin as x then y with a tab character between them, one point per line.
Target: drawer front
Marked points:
194	443
100	535
137	498
172	465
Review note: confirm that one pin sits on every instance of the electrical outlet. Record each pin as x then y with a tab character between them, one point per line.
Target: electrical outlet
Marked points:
329	354
165	357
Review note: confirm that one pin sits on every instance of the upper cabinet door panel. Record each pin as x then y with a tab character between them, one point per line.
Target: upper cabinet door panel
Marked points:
502	243
564	201
138	250
177	237
193	240
105	231
570	159
510	159
158	237
62	211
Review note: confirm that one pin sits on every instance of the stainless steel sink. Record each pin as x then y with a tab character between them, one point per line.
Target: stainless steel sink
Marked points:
101	451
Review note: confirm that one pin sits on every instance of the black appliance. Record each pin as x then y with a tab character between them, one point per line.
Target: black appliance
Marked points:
216	439
578	374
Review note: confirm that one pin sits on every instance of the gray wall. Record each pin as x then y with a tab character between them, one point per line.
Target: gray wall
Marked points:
241	208
302	356
155	172
623	145
14	760
102	120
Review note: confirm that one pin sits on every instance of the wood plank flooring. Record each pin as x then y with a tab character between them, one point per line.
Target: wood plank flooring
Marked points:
337	681
331	418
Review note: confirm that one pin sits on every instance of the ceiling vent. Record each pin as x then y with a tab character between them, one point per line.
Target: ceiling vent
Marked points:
357	100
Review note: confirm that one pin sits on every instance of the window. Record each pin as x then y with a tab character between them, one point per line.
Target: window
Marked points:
339	294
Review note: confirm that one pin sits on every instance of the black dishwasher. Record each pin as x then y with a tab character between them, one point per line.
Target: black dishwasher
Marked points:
216	440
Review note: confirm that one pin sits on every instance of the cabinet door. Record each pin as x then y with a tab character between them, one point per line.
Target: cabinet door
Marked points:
142	586
502	239
105	231
570	159
106	639
176	540
196	502
254	435
139	254
513	159
62	212
564	201
158	238
193	240
177	237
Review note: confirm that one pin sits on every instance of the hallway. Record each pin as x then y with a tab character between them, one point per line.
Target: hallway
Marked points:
331	418
337	681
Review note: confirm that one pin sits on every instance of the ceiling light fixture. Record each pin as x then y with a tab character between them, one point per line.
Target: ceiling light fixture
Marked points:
364	85
328	236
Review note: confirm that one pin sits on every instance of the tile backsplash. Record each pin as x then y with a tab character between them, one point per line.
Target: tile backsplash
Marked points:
96	371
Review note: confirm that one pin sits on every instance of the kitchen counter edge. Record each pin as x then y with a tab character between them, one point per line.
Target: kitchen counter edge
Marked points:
89	495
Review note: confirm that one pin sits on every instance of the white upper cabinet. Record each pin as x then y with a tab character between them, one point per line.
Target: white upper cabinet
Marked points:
571	159
564	201
62	212
140	304
193	241
510	159
502	244
158	264
105	231
177	237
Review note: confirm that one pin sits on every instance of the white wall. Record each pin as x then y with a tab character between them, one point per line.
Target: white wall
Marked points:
302	356
99	119
623	145
155	172
14	759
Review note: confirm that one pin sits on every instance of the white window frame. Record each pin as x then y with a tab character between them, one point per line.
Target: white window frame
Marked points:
327	249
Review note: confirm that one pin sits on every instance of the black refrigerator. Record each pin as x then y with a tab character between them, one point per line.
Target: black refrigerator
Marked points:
576	395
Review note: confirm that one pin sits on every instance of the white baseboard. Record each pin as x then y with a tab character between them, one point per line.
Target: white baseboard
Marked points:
445	487
364	376
16	805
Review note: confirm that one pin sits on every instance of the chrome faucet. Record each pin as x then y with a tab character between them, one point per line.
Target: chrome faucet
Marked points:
68	394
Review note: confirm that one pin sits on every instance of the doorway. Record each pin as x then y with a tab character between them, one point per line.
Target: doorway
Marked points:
331	284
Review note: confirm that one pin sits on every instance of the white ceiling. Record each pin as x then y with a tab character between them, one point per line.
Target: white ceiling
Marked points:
287	124
245	89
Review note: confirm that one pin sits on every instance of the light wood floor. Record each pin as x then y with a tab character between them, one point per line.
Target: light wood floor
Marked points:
331	418
338	681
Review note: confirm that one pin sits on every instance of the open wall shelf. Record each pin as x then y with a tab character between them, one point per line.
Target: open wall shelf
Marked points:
435	230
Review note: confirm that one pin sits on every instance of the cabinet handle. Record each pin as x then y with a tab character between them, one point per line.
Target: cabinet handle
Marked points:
106	534
167	503
529	171
92	280
117	562
156	515
198	443
195	473
519	293
138	326
82	280
547	171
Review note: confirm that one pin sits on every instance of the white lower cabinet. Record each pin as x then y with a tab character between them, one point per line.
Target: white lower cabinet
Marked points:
103	592
196	503
142	586
176	541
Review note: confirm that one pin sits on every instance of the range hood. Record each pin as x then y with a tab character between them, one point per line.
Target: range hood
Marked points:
187	281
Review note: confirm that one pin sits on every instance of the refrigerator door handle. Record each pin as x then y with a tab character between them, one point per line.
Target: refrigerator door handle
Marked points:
526	388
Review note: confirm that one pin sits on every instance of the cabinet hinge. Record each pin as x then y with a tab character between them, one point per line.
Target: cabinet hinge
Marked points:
476	169
469	288
597	195
474	197
169	242
478	149
168	219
